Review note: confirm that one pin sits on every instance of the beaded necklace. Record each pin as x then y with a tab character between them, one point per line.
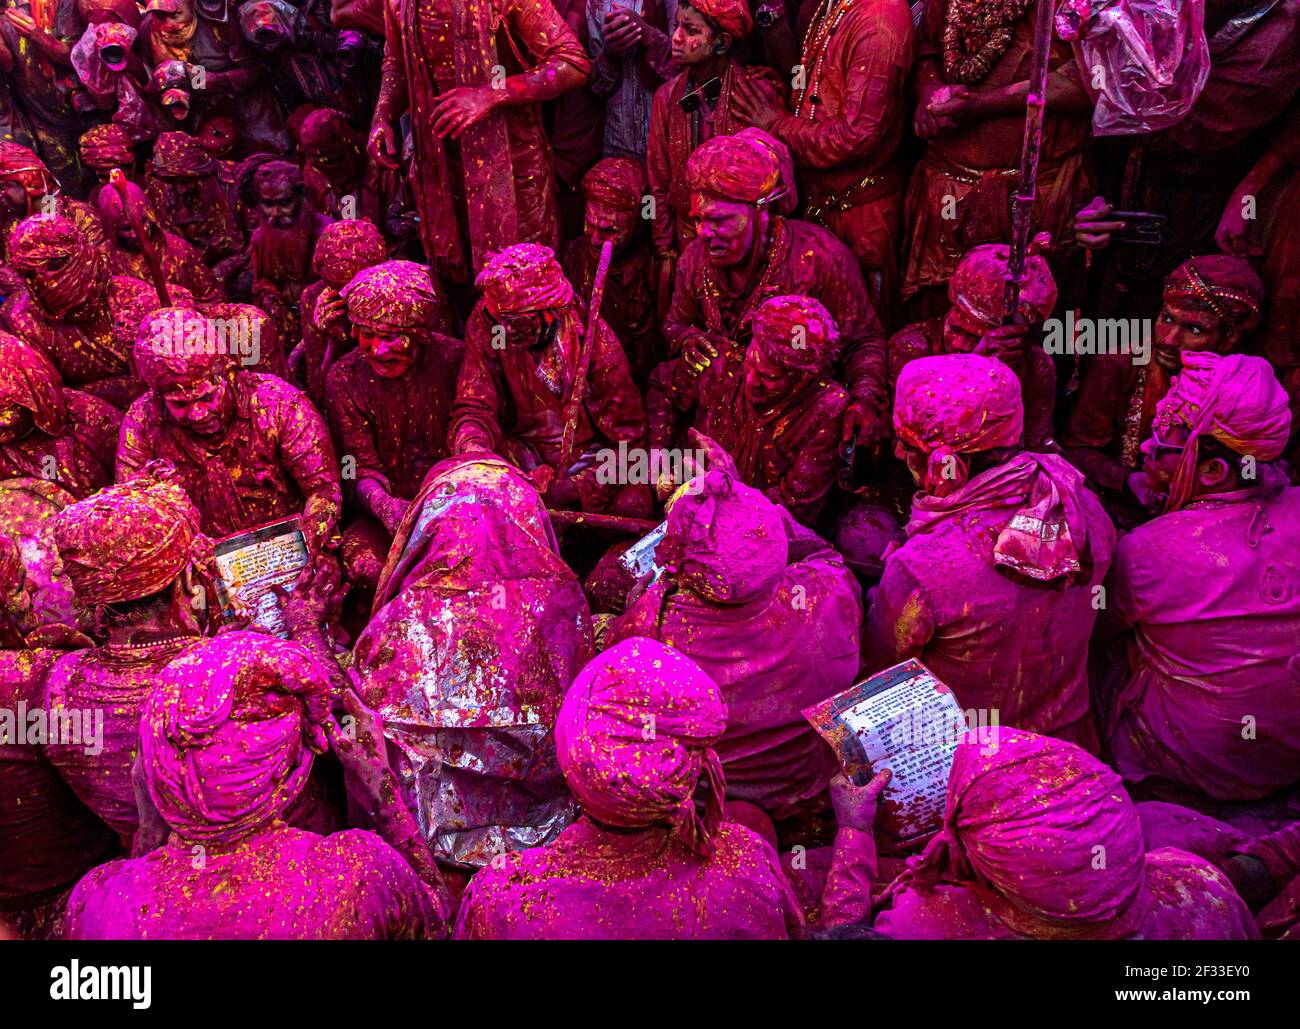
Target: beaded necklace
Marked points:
816	45
976	34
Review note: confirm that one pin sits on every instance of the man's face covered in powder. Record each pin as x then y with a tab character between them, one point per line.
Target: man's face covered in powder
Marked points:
729	230
203	406
390	354
606	223
1183	326
278	202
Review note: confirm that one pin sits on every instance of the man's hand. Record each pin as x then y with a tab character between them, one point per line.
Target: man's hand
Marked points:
330	309
23	23
927	124
381	147
623	31
359	743
1005	342
461	108
698	350
859	425
1093	226
390	511
757	102
1139	485
855	806
1232	234
562	491
314	597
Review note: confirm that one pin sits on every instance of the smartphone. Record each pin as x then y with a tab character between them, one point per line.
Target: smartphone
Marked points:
1145	228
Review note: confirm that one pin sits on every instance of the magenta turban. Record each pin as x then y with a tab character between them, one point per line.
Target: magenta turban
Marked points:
229	733
177	346
635	733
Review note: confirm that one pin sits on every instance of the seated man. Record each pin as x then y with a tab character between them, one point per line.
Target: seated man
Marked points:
974	325
1208	705
178	259
768	611
642	862
69	306
143	570
519	385
1210	302
248	447
615	190
227	740
191	200
746	253
994	589
479	628
1042	842
389	401
774	407
49	432
343	249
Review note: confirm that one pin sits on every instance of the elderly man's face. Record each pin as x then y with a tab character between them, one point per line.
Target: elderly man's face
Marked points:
606	223
203	406
279	203
729	231
765	380
1187	327
15	423
390	354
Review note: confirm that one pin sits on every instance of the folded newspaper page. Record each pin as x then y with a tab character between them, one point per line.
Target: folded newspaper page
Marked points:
906	720
252	563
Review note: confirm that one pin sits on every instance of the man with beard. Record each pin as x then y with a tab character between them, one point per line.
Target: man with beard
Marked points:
389	401
70	306
523	353
1210	303
746	253
283	242
248	447
190	198
179	261
483	173
615	190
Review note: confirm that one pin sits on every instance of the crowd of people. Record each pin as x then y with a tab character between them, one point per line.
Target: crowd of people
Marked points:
487	295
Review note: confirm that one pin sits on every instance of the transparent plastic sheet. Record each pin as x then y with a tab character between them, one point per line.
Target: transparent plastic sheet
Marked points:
1144	61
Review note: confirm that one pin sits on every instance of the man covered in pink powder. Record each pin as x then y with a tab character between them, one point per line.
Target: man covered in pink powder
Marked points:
248	447
769	611
1027	819
227	742
994	588
1209	702
642	862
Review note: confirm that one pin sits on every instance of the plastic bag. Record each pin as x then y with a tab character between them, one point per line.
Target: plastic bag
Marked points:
1144	61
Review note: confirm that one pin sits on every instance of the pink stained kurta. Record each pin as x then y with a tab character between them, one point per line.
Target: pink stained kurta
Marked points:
280	883
943	600
48	838
805	260
594	883
787	638
1190	900
396	429
1212	697
115	679
274	460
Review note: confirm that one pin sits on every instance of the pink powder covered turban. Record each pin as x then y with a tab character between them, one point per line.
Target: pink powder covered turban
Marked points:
229	734
1044	832
174	348
634	735
522	278
795	332
1233	398
396	296
737	169
730	16
726	541
345	249
956	404
978	285
1226	285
